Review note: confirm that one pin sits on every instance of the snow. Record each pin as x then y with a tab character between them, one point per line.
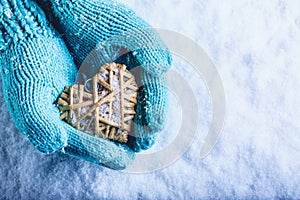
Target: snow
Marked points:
255	47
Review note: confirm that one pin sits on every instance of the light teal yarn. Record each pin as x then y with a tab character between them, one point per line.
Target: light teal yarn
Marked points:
84	24
30	65
36	64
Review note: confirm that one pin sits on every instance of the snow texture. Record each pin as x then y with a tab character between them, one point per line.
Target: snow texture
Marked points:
255	47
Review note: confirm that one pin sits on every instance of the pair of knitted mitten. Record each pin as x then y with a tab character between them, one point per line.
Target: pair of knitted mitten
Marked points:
42	45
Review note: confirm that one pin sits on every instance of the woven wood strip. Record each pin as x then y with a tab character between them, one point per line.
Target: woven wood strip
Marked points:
106	109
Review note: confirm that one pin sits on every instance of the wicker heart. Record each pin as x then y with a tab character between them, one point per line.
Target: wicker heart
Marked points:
104	105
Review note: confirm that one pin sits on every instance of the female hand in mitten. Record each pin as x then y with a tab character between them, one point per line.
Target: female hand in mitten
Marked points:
36	64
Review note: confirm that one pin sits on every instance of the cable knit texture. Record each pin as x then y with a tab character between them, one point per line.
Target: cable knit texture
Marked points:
36	64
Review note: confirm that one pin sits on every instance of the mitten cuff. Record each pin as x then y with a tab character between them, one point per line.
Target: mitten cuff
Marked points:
20	19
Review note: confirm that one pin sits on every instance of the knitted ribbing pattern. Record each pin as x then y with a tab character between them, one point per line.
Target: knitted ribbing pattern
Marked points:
36	66
19	20
29	80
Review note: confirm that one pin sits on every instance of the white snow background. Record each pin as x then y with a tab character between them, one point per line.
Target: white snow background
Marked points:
255	46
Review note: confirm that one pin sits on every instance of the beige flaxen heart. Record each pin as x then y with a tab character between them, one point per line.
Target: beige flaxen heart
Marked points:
104	105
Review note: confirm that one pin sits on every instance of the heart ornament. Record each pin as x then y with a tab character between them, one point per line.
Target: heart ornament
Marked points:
104	106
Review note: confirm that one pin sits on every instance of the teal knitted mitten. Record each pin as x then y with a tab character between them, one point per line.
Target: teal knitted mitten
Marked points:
36	66
84	24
